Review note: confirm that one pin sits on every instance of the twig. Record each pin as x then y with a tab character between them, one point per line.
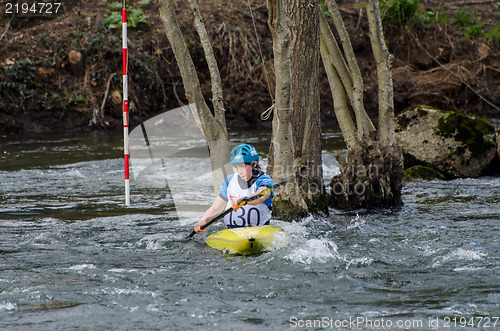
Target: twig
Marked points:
360	17
250	15
85	79
106	95
7	29
492	68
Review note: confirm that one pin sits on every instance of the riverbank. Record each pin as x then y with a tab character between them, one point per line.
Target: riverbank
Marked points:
63	72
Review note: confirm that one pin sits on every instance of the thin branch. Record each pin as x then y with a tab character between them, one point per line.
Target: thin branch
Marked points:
335	56
384	74
106	95
459	78
7	29
341	107
363	123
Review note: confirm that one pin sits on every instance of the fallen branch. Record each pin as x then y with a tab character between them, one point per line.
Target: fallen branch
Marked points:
101	112
7	29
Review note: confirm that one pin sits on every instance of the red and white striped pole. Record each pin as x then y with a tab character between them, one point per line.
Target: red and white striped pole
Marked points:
125	105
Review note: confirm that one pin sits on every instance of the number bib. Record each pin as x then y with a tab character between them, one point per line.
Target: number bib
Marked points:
248	215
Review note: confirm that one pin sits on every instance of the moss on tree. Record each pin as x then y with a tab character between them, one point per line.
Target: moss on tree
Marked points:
287	211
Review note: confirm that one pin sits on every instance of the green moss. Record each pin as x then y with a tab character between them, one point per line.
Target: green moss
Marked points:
422	172
287	211
467	129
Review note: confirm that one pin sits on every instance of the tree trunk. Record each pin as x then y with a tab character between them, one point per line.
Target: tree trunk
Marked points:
303	24
393	170
217	95
287	203
213	127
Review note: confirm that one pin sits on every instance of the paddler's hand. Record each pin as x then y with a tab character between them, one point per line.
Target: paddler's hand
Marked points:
236	203
197	226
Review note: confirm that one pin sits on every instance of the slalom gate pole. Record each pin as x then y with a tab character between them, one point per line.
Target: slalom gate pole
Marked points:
125	105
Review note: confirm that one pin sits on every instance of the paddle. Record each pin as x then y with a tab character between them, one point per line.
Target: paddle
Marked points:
246	199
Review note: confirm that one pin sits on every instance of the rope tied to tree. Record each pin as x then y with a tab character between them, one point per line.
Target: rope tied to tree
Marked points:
267	113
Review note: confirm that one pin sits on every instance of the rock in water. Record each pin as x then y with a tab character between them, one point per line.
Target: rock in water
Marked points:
454	144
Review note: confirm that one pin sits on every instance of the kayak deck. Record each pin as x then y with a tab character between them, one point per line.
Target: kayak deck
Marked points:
245	241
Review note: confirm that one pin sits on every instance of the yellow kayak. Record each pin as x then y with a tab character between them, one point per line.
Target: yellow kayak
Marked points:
250	240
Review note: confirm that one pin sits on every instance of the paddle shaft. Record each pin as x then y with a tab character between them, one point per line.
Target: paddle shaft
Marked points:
246	199
215	219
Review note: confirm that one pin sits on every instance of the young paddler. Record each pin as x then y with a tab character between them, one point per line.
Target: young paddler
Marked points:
248	180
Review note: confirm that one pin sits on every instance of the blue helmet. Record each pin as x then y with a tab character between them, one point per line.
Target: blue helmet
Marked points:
244	153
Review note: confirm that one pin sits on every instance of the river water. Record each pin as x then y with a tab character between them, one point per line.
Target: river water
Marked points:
72	257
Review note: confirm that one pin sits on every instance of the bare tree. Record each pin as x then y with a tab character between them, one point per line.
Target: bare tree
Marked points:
371	174
213	125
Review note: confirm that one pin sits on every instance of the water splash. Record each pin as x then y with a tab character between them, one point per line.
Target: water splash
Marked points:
356	223
315	250
6	306
81	267
459	254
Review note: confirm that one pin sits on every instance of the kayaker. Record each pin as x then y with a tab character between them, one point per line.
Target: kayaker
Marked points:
247	181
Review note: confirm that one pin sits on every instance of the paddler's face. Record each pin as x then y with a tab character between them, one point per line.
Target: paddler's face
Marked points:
243	170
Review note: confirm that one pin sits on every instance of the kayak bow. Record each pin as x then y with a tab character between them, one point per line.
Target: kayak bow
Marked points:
245	241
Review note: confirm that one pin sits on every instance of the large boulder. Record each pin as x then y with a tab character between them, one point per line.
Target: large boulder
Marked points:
454	144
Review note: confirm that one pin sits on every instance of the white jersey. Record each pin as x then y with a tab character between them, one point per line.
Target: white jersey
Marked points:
247	215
